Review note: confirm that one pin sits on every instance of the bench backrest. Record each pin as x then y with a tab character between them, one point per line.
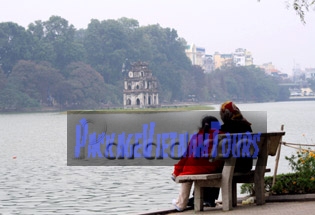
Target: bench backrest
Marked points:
245	144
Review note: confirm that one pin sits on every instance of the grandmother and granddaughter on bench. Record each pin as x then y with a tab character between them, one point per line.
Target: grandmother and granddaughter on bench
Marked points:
233	122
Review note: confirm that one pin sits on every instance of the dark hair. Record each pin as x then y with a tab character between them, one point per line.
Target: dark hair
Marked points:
206	124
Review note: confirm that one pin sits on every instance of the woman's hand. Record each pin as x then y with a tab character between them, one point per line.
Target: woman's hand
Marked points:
173	177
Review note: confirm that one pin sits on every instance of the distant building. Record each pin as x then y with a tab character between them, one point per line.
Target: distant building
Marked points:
310	73
195	54
269	68
242	57
140	87
222	60
198	56
208	63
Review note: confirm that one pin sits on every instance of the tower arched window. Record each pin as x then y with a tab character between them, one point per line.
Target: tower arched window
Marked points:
128	102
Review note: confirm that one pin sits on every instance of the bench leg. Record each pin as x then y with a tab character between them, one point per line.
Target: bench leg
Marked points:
226	184
259	175
234	194
198	198
227	199
260	188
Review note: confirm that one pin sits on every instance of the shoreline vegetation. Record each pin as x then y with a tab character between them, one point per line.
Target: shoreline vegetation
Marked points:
177	108
169	108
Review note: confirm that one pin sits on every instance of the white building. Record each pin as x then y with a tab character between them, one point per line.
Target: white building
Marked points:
242	57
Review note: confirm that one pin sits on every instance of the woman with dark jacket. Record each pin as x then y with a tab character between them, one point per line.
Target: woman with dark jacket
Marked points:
234	122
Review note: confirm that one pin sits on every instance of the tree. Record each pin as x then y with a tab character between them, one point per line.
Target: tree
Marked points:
301	6
15	45
107	45
165	52
12	98
42	49
193	84
243	84
36	80
55	42
86	85
3	79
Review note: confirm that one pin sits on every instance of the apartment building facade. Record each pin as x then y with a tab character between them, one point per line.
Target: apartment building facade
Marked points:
198	56
241	57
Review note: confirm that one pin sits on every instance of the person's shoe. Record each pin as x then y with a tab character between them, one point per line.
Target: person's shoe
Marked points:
176	207
190	202
209	204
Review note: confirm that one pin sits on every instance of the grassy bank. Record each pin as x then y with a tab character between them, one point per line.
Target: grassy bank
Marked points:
152	110
115	110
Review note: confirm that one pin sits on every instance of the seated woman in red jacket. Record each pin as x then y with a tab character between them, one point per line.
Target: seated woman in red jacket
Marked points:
193	163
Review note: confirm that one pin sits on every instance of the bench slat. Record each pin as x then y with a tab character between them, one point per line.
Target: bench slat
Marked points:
185	178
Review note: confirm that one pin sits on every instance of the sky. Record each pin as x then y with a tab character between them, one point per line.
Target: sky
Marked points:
266	28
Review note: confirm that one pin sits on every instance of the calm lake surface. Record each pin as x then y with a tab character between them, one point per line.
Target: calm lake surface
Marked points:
35	178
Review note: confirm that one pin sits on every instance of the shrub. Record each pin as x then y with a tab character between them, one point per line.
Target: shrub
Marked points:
302	180
303	164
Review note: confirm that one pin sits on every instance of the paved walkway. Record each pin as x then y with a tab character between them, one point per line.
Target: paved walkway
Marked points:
270	208
275	205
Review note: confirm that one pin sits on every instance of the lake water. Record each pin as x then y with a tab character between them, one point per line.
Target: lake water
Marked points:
35	178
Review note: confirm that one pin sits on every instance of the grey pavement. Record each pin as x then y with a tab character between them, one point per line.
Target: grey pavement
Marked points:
275	205
270	208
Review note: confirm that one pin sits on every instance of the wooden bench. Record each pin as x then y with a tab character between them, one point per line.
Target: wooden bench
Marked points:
227	180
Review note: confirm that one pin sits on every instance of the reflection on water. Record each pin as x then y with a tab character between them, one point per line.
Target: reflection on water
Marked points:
35	179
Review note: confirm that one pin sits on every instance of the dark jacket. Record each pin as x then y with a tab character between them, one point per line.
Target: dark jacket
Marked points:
239	126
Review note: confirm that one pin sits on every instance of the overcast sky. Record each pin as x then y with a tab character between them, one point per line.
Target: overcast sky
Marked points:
267	28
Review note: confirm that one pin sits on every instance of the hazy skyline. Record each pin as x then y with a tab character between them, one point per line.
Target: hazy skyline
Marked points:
267	28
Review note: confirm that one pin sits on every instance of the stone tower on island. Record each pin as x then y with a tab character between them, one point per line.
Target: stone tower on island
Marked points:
140	87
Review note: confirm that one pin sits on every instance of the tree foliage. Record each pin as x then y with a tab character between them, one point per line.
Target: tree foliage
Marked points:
247	84
301	7
14	45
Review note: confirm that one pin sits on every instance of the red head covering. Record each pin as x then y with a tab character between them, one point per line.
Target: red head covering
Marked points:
229	111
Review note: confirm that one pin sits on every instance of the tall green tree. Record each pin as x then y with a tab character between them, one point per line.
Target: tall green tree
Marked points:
107	44
15	45
42	49
168	60
55	42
